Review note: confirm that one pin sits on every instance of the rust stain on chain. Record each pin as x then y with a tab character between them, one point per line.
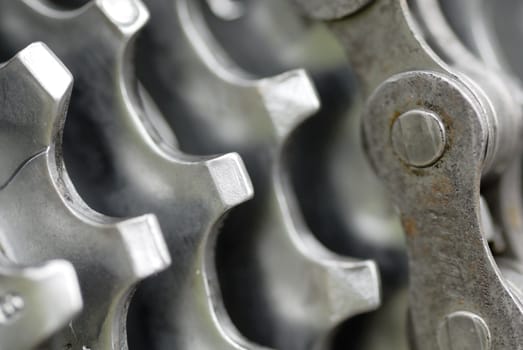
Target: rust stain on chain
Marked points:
441	190
410	226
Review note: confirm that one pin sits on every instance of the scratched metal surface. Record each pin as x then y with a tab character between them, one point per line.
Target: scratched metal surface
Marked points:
261	174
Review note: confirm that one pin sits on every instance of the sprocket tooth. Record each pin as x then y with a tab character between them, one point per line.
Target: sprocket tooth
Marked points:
231	179
351	287
36	302
47	86
290	98
144	173
127	16
43	218
145	255
44	69
285	265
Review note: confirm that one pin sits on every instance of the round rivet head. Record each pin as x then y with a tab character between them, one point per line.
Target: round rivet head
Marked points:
418	138
465	331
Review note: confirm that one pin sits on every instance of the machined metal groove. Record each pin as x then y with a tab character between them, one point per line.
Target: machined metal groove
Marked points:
21	167
190	195
40	208
231	110
155	93
476	31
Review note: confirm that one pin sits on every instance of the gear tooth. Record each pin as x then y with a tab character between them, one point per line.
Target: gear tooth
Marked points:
63	273
137	244
289	98
35	92
144	244
128	16
301	272
56	270
353	287
47	295
46	70
230	179
57	280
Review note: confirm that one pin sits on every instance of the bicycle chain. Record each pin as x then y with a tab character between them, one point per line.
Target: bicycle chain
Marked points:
80	223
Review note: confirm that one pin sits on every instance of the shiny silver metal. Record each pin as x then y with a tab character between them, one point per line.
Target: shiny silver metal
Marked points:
418	137
326	158
326	151
132	166
452	268
36	302
464	330
228	10
284	289
44	218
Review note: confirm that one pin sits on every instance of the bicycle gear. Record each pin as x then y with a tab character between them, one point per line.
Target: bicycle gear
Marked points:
227	110
43	217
